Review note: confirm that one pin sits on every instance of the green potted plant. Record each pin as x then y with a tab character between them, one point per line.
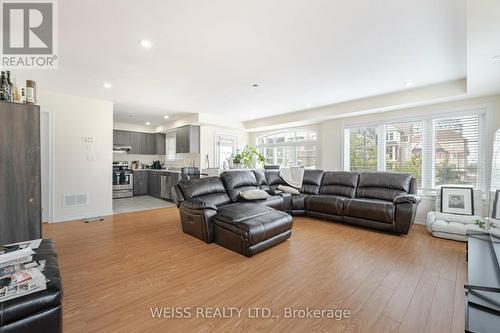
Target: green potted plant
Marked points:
248	158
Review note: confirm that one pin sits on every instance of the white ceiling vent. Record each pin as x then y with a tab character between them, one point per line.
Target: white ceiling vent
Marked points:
74	200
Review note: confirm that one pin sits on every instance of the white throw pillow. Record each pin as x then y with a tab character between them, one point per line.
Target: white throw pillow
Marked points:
254	194
288	189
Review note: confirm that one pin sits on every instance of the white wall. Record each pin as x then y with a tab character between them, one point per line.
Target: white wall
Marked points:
207	141
78	166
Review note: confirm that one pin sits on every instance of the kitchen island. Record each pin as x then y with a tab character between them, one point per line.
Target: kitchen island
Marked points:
155	182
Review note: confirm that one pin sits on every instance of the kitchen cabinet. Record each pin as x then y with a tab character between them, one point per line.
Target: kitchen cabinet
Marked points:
160	144
141	143
155	184
20	175
147	143
141	183
121	137
187	139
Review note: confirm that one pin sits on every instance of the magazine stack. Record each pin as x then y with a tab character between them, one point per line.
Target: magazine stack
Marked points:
20	275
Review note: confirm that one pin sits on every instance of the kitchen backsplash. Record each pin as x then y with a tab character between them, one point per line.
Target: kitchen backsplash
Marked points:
182	160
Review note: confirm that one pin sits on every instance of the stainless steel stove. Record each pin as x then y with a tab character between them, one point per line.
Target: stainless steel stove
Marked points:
123	180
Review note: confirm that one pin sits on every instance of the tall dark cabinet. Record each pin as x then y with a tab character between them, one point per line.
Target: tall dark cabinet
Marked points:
20	176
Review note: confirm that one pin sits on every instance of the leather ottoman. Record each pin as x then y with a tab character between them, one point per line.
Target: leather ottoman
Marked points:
249	228
40	311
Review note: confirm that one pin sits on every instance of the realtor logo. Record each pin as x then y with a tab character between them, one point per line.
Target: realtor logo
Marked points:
29	34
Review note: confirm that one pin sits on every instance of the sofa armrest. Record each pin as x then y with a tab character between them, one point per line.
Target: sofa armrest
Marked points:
197	204
407	198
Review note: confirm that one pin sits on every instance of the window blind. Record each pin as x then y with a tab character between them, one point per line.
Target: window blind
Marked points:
363	154
403	151
456	151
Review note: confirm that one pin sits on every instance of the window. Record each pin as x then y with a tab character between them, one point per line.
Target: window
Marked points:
363	149
404	149
457	151
435	150
225	146
171	149
287	149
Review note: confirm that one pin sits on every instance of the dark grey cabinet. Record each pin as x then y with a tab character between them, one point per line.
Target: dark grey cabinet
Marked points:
187	139
160	144
121	137
155	184
141	143
20	176
141	183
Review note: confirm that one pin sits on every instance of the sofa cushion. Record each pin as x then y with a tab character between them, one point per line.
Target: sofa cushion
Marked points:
241	211
327	204
260	176
341	183
288	189
238	181
273	179
371	209
312	181
260	227
209	190
254	194
383	185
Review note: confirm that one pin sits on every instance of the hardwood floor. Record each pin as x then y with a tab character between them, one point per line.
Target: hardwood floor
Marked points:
115	271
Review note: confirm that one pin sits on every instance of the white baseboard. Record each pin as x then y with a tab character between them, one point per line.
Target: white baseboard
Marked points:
67	218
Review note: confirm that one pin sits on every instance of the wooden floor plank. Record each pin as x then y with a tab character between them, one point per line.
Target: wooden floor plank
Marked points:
116	270
441	314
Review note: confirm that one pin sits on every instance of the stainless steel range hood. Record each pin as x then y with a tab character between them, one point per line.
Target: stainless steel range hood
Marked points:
121	148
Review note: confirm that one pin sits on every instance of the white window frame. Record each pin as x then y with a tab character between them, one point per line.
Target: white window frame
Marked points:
294	144
428	149
223	136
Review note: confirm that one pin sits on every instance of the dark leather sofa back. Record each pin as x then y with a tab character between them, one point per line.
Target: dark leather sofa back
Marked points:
260	176
342	183
209	190
312	181
238	181
383	185
273	179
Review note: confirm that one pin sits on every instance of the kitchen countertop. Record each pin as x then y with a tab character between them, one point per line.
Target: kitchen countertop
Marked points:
157	170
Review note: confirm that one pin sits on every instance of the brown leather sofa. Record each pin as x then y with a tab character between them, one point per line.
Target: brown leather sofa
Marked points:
213	209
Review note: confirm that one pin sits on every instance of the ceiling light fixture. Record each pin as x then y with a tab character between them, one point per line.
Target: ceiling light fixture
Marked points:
146	44
148	123
497	57
409	83
166	117
255	85
107	85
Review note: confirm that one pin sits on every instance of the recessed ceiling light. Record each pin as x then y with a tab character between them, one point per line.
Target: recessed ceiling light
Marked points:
107	85
255	85
309	105
146	44
497	57
409	83
148	123
166	117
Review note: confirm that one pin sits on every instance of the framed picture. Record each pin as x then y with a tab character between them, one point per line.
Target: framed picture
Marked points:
496	206
457	200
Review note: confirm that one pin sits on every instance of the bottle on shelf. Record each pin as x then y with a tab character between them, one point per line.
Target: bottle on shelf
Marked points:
11	87
30	91
4	88
15	93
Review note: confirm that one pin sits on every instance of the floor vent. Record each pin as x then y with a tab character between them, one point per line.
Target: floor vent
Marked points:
73	200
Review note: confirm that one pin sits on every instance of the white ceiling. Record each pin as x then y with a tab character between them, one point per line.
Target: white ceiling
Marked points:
207	54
